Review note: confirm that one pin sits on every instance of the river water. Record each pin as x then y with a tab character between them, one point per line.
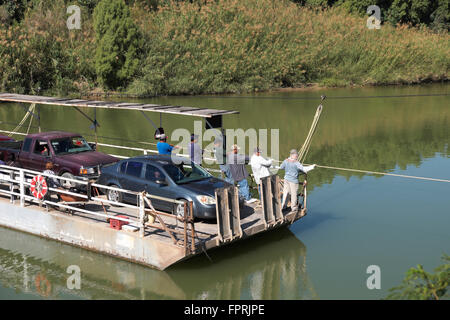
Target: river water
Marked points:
354	220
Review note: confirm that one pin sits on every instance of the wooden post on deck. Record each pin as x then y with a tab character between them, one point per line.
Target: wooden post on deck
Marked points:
235	212
271	200
223	217
228	214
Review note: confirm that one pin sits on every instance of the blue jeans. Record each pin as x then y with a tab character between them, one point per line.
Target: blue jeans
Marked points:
243	189
226	170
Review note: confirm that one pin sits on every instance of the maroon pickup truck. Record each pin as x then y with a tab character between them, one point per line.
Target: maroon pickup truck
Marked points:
5	138
70	153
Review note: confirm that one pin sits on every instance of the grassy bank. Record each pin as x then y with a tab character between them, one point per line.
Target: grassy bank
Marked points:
224	47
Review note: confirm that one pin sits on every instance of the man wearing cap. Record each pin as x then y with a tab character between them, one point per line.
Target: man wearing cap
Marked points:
292	169
260	167
239	174
195	151
163	147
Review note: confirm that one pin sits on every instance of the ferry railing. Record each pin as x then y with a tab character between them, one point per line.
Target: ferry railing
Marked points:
19	181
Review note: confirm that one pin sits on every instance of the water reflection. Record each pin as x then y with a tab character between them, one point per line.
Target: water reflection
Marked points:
272	266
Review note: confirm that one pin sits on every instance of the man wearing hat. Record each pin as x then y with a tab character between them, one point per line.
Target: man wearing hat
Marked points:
239	174
163	147
260	167
292	169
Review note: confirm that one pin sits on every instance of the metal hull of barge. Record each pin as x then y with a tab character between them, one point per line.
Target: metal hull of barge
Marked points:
154	249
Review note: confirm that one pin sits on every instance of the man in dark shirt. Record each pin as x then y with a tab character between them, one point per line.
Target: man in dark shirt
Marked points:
239	173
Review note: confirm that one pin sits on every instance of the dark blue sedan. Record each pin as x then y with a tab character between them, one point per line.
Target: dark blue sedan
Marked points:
164	176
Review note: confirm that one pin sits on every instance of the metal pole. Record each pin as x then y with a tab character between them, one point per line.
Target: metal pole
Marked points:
191	212
22	188
141	214
39	117
185	229
95	128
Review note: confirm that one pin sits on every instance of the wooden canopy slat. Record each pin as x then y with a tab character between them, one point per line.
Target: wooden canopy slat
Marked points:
191	111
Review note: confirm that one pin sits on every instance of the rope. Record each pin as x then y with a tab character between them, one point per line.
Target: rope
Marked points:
384	174
315	97
305	148
29	112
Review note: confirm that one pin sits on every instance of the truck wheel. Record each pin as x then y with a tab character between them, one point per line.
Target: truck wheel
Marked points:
114	195
68	184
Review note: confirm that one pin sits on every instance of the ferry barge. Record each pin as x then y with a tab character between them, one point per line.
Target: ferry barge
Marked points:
134	232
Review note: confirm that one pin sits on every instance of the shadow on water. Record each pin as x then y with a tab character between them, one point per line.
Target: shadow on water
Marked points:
270	266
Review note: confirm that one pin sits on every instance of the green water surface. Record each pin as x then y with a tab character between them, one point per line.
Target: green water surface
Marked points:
354	220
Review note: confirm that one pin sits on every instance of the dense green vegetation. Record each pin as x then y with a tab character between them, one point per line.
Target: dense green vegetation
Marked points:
118	43
432	13
152	47
422	285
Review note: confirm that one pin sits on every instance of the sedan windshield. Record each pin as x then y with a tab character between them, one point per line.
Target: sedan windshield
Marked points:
186	172
70	145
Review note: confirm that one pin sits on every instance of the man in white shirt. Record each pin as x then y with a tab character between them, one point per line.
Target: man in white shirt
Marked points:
260	167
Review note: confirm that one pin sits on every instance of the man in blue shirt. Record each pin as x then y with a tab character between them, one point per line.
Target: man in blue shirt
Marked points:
292	169
163	147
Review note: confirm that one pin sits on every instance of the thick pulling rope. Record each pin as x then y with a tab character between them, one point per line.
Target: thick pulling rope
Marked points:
305	148
29	112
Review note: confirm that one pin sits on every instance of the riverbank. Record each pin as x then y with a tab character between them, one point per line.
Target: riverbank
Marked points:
222	47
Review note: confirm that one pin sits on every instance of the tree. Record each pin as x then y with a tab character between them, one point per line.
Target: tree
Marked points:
118	44
421	285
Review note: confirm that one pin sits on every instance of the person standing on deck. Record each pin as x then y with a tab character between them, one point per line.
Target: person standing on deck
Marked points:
52	182
195	151
260	167
221	160
239	173
163	147
292	169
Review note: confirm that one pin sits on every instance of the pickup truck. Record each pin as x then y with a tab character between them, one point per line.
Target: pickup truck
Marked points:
5	138
70	154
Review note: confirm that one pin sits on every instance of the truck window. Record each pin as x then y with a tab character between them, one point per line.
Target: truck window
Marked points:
27	145
70	145
41	148
134	168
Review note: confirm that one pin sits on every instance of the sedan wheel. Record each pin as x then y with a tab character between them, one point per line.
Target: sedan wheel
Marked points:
179	210
114	195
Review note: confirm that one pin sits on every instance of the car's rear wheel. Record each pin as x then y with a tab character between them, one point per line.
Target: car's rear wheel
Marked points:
114	195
